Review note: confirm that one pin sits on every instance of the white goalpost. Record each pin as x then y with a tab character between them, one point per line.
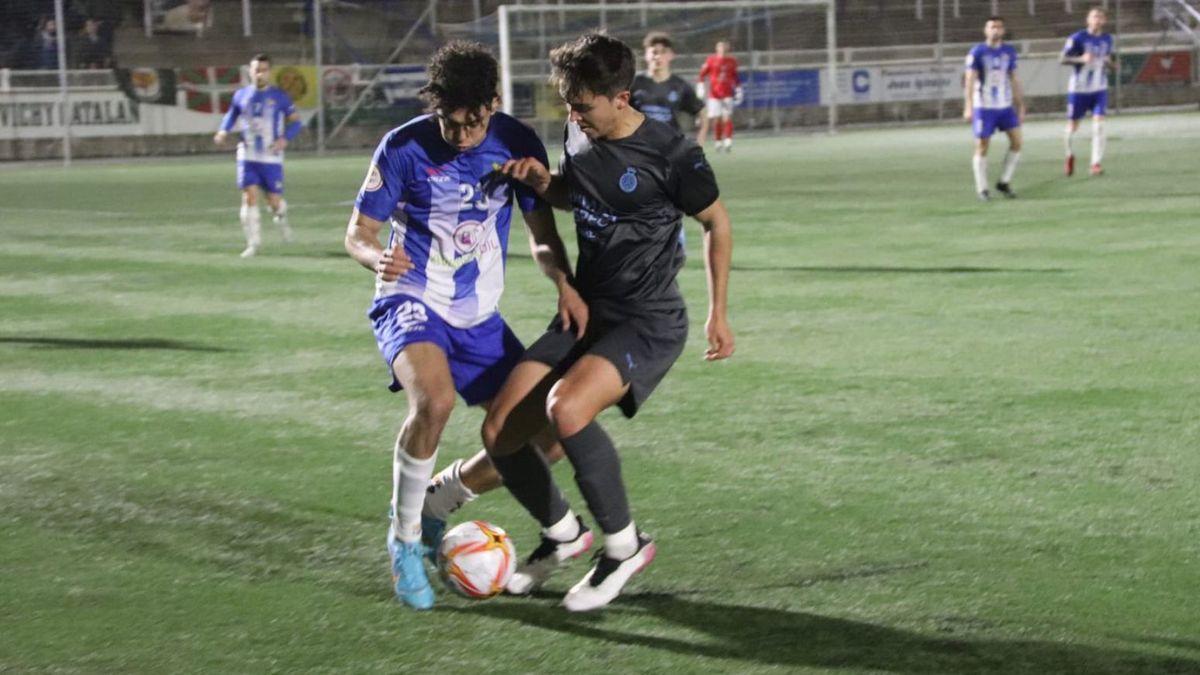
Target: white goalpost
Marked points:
787	52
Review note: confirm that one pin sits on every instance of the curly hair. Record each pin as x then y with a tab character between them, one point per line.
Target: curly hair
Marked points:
594	63
462	74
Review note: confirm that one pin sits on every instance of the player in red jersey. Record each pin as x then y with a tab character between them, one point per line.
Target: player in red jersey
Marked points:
719	80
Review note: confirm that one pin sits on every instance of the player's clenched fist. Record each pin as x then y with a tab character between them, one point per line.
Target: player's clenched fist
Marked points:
393	263
530	171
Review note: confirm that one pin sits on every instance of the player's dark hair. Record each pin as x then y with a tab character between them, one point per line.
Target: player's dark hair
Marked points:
462	74
261	57
995	17
658	38
596	63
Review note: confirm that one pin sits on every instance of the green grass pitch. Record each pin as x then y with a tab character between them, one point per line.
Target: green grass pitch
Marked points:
955	437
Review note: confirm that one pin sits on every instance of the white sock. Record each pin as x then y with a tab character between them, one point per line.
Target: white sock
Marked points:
410	479
621	545
1067	138
564	530
251	225
281	220
979	164
1098	141
1010	166
446	493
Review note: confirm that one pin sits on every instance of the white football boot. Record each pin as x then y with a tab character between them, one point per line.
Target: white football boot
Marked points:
546	559
604	583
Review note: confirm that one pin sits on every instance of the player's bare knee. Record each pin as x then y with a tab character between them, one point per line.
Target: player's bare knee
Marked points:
490	431
431	410
565	411
249	198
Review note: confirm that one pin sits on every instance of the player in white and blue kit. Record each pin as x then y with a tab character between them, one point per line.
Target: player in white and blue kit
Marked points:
1090	54
993	100
269	121
440	277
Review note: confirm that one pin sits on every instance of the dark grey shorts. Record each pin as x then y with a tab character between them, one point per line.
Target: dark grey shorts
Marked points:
642	347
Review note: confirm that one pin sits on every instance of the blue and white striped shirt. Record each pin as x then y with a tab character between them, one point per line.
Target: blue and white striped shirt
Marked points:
451	211
992	66
263	113
1088	78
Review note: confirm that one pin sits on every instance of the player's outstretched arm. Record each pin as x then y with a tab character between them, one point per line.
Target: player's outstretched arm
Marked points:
548	186
362	243
551	255
718	255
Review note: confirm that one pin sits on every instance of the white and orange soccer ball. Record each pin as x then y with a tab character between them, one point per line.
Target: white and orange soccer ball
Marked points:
476	559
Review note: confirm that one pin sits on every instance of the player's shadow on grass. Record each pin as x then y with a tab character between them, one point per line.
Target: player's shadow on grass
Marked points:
871	269
782	638
130	344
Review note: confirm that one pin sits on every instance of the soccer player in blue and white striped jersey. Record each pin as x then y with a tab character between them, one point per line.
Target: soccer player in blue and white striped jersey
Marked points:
993	100
1090	54
269	121
438	281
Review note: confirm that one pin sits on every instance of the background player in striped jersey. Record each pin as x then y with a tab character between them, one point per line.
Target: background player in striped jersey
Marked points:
1090	54
440	277
719	82
269	122
658	93
993	100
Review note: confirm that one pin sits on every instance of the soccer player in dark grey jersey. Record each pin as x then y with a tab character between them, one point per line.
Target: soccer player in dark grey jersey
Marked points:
629	180
658	93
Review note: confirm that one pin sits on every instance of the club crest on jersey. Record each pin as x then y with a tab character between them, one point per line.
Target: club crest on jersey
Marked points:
629	180
468	235
673	96
374	180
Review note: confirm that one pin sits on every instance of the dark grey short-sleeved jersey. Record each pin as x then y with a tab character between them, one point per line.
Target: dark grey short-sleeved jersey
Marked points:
629	197
664	100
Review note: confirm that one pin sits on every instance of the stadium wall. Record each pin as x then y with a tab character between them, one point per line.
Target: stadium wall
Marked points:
148	112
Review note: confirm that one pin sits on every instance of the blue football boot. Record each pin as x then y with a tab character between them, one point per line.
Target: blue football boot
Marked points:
409	579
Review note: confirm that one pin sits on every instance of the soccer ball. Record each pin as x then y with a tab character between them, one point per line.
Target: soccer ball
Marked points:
476	559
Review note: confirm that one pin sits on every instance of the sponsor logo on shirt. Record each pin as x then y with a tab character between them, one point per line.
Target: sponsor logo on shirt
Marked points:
590	219
468	235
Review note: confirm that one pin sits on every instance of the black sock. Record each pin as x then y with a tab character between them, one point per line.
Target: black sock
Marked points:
598	475
527	476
